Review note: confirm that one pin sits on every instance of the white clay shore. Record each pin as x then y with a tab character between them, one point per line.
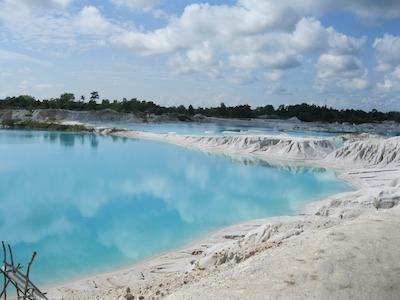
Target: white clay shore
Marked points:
344	247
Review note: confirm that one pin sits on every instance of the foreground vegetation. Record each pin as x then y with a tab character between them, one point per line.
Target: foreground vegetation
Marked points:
40	125
304	112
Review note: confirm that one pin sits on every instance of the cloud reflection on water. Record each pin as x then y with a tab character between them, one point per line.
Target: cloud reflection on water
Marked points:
100	207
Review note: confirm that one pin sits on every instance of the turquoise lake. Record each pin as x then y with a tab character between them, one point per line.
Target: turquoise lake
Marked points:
90	204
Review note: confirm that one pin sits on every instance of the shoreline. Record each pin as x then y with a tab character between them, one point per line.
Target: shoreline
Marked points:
200	259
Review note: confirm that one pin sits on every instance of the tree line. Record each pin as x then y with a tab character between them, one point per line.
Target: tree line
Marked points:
304	112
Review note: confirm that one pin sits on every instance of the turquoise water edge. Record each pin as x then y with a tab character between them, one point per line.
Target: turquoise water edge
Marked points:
91	204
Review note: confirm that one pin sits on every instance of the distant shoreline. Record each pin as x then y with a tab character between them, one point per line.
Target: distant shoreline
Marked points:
147	110
43	125
95	118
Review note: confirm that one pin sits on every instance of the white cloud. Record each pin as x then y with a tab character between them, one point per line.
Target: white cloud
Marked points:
391	82
273	60
387	85
196	60
43	86
355	83
346	66
342	44
41	4
214	39
137	4
344	71
245	36
387	51
151	43
338	65
240	77
37	29
197	24
310	35
273	75
52	31
10	55
90	21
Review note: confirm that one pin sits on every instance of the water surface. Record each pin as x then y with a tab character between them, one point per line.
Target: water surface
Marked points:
260	126
89	204
238	127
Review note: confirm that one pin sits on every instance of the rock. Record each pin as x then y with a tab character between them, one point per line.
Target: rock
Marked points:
371	152
199	118
386	203
197	252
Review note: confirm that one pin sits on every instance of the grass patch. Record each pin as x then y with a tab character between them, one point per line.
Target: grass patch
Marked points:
41	125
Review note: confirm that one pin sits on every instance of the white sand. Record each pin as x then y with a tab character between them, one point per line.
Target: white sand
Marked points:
344	247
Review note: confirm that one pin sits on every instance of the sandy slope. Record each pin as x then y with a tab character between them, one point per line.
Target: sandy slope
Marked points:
344	247
356	259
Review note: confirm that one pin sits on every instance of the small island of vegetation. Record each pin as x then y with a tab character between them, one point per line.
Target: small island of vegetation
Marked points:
42	125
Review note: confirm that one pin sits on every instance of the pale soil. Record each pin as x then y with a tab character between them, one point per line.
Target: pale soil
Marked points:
357	259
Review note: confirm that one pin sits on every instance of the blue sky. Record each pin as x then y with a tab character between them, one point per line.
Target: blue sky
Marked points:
335	52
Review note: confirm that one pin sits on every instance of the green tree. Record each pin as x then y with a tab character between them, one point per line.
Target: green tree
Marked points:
222	110
66	101
67	97
105	104
181	109
94	96
191	110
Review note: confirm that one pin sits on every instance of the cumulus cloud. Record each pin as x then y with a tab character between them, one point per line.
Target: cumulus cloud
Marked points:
387	51
330	65
338	64
391	82
91	21
273	60
220	39
197	60
344	71
197	24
